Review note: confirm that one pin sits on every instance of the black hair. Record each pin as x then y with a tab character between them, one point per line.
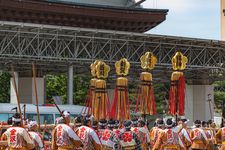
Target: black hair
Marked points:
9	121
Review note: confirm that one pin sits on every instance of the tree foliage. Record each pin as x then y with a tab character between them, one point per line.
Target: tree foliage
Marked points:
5	87
56	85
219	96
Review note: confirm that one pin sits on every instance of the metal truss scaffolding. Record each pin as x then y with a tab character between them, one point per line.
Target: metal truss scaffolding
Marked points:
54	47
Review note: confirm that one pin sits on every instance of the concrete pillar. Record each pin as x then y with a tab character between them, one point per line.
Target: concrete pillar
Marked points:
222	20
13	98
27	92
196	102
70	85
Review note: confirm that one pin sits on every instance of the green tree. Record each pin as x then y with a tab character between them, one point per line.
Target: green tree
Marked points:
219	96
5	87
56	85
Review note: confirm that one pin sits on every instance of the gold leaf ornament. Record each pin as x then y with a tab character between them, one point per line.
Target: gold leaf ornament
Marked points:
148	61
179	61
122	67
102	70
93	67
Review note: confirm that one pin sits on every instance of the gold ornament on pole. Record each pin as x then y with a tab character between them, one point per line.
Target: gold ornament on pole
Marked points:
121	108
101	104
90	101
146	98
177	87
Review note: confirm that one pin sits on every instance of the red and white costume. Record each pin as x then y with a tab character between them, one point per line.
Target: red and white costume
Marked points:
89	138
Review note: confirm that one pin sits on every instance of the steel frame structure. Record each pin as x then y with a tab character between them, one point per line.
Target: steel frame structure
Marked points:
55	47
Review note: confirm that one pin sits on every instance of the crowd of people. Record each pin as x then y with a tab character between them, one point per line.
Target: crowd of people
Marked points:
134	134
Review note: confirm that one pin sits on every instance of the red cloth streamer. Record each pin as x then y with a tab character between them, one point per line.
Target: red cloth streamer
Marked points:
152	100
181	95
88	103
115	101
176	97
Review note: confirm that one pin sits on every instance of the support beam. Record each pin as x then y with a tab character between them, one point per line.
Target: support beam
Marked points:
70	85
13	99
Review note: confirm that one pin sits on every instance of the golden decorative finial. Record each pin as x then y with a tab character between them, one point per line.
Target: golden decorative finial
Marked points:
148	61
102	70
122	67
93	68
179	61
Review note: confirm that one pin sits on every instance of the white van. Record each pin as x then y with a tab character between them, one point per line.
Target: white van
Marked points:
47	112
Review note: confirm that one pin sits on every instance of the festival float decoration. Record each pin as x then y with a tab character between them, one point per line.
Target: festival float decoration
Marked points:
90	101
177	87
145	92
120	108
101	103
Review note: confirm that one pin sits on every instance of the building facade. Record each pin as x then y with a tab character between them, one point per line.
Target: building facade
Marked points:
223	20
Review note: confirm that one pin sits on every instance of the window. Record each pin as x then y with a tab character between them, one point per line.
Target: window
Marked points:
43	117
4	117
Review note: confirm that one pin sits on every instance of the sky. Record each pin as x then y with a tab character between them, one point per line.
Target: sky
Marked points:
188	18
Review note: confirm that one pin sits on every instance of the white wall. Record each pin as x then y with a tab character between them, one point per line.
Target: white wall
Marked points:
26	91
196	102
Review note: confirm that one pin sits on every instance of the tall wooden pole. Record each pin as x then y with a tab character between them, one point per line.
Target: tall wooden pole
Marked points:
17	94
35	92
24	112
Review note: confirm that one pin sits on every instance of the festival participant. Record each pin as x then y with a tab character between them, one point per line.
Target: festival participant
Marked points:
117	124
184	134
209	135
128	139
17	137
198	137
108	137
134	126
143	135
102	124
87	120
169	139
36	137
134	122
95	126
88	136
220	136
116	128
63	136
155	131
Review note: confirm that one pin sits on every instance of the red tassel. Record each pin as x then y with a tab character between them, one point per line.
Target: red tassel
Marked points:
115	101
172	100
128	103
181	95
108	105
138	98
152	100
176	96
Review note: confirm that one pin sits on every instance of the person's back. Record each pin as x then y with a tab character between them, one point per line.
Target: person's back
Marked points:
89	138
198	137
169	139
36	137
64	138
17	137
128	139
220	137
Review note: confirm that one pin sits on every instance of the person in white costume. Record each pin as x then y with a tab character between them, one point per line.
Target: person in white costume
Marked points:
38	140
